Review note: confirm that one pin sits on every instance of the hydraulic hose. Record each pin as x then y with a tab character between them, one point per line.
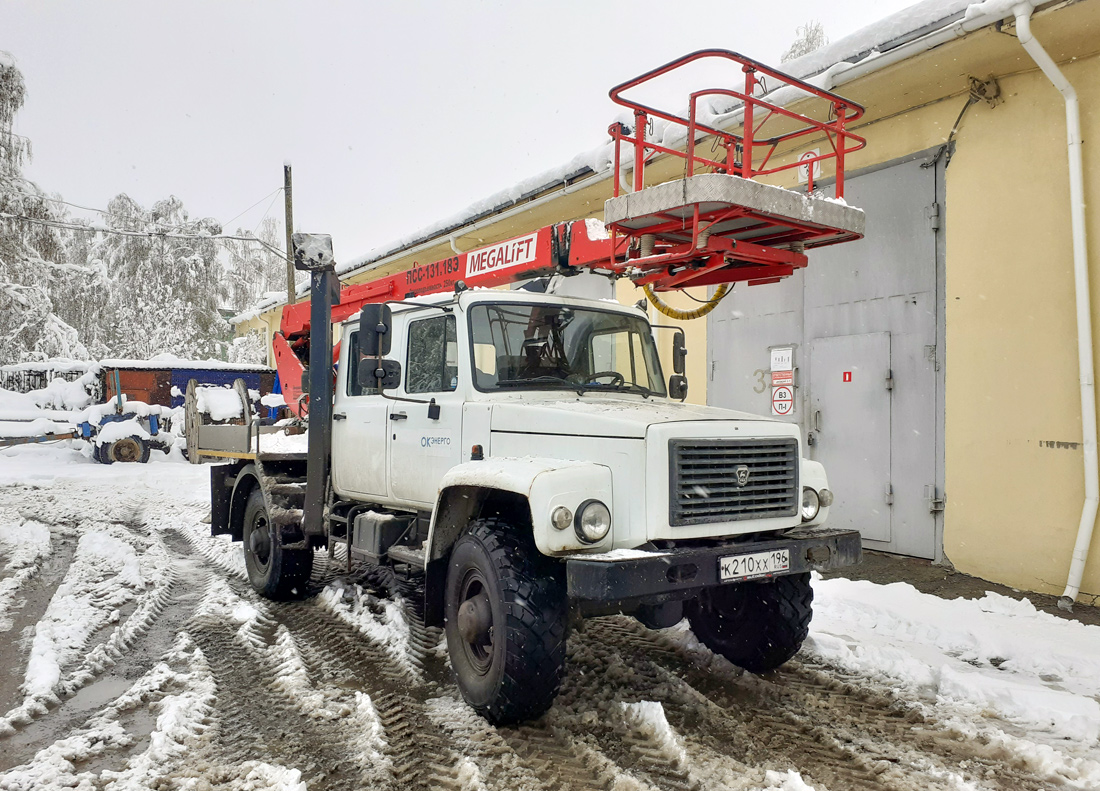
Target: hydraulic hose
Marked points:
684	315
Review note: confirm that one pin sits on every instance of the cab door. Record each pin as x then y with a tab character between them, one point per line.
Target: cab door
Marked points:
359	431
423	448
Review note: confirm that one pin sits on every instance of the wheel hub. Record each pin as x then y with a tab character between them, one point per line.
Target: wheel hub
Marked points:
475	619
259	542
125	450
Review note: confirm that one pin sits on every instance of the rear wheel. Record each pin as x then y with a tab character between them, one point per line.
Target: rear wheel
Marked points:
506	617
274	571
755	625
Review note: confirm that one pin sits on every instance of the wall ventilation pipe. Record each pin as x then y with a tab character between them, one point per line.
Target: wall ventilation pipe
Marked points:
1081	285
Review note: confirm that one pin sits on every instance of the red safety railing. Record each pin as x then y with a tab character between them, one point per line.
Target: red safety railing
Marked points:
740	149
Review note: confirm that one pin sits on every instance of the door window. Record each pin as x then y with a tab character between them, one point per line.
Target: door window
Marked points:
432	365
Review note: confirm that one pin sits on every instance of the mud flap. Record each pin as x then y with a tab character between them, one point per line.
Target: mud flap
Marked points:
222	478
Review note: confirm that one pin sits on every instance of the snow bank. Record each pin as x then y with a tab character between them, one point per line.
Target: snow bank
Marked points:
30	428
995	653
63	394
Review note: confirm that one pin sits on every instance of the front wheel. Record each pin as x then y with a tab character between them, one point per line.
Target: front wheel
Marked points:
755	625
506	617
275	572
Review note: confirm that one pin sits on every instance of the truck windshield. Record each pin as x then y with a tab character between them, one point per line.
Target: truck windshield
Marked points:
519	346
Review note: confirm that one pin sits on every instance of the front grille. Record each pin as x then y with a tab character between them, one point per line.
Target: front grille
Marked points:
703	482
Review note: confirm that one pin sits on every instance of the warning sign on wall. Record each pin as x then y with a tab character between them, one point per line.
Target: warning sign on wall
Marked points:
782	400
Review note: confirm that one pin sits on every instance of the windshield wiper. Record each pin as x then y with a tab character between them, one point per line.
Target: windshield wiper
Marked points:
622	387
543	380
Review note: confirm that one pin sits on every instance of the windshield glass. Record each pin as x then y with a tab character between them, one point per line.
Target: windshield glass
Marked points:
518	346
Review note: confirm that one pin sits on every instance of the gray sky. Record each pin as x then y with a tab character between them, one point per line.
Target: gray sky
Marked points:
393	115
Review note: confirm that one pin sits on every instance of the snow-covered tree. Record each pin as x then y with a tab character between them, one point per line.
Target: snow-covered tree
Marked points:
250	348
809	37
166	280
255	269
31	246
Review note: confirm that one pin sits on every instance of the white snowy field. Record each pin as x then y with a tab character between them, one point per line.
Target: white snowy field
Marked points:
133	655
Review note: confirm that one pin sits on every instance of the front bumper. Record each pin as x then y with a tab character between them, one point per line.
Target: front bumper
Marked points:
677	573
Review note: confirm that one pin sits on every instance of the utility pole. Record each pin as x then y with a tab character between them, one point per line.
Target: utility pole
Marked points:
288	202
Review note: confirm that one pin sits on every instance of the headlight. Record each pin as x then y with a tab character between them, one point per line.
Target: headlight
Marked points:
811	504
593	521
561	517
825	497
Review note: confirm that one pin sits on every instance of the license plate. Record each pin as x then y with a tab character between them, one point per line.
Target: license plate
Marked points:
758	564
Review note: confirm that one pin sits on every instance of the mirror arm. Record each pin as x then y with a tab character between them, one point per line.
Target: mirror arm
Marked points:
381	392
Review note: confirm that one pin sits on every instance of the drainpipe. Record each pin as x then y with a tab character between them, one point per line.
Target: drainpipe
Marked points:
1084	309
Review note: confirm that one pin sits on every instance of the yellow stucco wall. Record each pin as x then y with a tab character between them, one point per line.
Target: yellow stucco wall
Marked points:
1015	484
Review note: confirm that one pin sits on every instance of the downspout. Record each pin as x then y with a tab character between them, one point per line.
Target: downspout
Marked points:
1084	308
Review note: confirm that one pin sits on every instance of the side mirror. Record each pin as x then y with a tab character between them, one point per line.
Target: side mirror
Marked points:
375	324
383	374
678	387
679	354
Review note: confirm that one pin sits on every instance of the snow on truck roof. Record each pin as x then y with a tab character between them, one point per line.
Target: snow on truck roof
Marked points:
866	44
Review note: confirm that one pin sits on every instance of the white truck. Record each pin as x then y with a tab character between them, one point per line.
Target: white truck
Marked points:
524	464
519	459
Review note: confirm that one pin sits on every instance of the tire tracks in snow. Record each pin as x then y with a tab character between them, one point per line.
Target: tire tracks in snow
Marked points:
844	733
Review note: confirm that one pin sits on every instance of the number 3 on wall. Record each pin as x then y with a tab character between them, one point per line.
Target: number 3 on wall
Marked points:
760	373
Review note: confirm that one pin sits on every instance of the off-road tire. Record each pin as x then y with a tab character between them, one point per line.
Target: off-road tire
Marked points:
521	670
274	572
107	452
755	625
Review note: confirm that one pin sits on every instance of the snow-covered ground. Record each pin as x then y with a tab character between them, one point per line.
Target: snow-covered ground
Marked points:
133	654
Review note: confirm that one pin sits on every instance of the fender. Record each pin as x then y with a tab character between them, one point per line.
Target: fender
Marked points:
542	484
247	478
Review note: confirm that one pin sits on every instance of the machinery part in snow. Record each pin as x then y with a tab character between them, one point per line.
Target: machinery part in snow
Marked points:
7	442
684	315
274	571
755	625
126	450
506	619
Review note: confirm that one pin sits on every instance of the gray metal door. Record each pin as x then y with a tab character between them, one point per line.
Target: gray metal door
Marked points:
849	428
888	284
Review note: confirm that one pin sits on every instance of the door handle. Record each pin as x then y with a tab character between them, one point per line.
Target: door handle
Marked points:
339	416
398	416
817	420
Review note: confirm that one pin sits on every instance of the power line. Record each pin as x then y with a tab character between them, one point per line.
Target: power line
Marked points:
107	213
254	205
144	234
268	209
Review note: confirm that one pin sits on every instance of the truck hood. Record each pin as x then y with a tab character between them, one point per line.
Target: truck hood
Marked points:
602	416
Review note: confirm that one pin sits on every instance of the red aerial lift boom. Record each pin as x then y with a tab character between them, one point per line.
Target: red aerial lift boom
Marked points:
718	227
